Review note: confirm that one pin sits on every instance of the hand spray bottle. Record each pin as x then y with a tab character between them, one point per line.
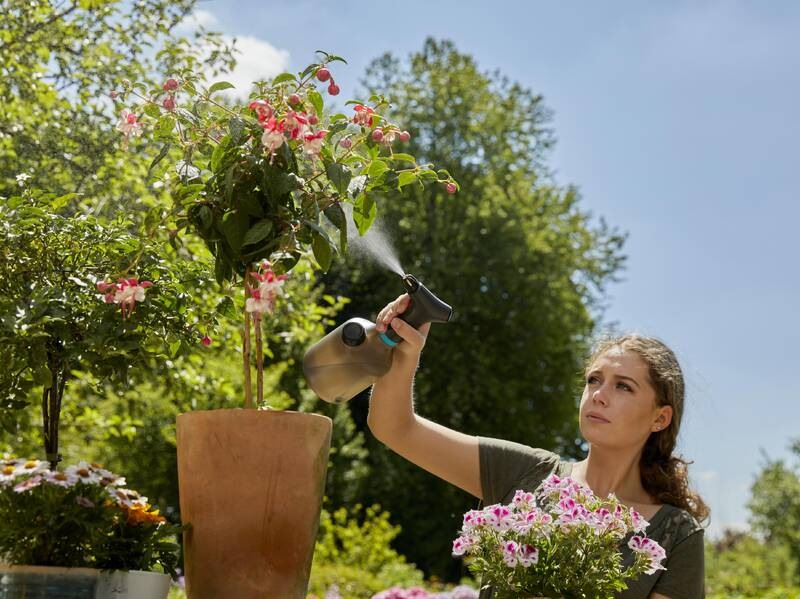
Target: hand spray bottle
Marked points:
352	356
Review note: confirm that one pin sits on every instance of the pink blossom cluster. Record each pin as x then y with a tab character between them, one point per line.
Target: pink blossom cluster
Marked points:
561	507
459	592
125	293
651	550
268	287
294	125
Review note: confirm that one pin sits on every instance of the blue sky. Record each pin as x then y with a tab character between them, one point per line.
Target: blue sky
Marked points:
678	121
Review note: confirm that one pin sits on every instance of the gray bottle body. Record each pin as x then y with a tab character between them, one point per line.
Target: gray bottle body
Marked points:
346	361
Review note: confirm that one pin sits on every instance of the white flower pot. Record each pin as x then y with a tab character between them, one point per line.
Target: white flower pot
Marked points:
40	582
134	584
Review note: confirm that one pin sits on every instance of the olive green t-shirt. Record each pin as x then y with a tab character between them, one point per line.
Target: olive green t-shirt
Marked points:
506	466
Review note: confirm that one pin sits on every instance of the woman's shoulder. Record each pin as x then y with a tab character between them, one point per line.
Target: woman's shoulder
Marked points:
672	525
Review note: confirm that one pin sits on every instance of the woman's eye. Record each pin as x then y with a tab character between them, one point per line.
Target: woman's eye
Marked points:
624	387
591	380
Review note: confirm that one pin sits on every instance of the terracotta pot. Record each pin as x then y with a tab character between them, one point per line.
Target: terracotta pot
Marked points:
251	485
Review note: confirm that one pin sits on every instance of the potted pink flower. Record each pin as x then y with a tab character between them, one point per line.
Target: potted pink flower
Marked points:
560	541
264	183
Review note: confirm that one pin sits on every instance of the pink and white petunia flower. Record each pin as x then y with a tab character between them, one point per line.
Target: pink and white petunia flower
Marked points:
651	549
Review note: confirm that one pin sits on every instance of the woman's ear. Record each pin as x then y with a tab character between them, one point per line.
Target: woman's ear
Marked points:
663	418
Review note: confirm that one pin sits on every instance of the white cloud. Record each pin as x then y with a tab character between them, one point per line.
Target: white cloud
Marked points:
199	18
255	59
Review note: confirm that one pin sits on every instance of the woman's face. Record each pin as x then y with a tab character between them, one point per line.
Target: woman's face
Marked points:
618	406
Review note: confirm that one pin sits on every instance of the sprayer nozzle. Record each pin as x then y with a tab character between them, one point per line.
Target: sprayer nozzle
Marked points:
411	283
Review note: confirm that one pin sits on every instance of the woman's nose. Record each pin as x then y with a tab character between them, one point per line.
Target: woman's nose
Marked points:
599	396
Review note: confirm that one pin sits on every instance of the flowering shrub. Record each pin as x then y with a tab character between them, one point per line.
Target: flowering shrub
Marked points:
265	181
568	546
69	285
459	592
83	516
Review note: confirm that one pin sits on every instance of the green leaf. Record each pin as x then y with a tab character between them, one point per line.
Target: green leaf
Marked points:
322	251
43	376
340	176
152	110
257	232
316	100
219	86
222	268
283	78
217	156
364	213
164	127
336	215
234	226
403	157
377	168
406	178
427	175
226	307
62	201
236	126
164	151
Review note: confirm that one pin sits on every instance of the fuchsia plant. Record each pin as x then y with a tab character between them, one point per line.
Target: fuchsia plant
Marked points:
560	541
263	182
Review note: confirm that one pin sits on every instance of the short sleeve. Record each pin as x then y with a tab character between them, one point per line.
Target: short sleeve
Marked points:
684	577
506	466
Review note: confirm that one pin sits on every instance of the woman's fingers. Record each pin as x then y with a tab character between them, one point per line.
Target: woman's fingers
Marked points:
415	339
391	311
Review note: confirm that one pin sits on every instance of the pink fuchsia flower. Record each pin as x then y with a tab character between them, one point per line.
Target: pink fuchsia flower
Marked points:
312	142
263	110
451	188
270	286
294	124
405	136
346	143
206	340
323	74
125	293
171	84
650	549
333	89
389	136
273	138
129	123
169	103
363	115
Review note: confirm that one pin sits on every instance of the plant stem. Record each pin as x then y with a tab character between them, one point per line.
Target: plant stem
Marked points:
248	388
259	360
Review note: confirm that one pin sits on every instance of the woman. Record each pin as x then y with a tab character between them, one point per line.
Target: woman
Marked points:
630	414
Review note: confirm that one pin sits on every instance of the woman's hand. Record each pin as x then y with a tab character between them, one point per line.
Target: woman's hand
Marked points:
414	339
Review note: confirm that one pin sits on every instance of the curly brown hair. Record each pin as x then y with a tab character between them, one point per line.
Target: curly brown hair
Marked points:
664	475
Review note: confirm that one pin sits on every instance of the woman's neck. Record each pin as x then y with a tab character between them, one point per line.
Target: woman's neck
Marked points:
613	471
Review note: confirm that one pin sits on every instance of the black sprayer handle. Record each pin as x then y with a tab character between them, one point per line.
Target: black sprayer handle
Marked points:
423	307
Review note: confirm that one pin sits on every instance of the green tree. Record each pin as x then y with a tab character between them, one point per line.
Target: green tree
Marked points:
60	61
775	503
739	564
523	265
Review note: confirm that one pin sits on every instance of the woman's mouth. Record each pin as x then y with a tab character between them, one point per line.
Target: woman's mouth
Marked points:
595	417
